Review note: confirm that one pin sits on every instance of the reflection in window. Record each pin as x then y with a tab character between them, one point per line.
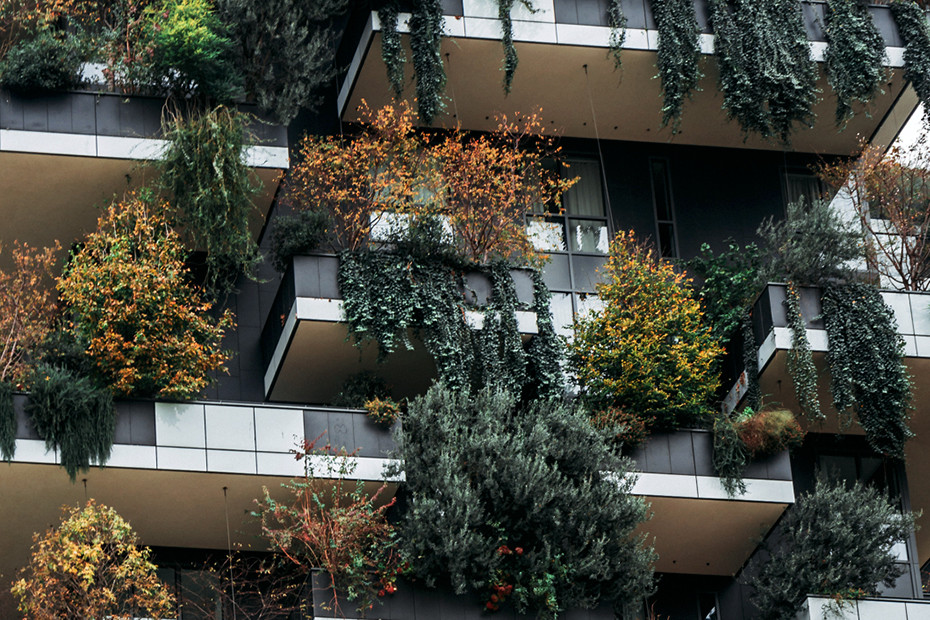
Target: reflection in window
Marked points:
588	236
545	235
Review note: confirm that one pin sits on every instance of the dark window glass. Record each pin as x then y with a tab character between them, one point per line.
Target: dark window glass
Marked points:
664	208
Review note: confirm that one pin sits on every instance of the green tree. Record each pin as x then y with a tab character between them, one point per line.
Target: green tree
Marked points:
91	566
284	48
493	504
647	352
836	540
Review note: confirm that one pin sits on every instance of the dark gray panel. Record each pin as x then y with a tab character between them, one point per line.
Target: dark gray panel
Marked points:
756	470
523	285
59	113
83	113
658	459
779	466
123	432
814	20
316	276
638	456
24	426
811	307
702	14
131	118
316	426
150	111
107	115
477	289
427	604
884	22
703	449
593	12
566	11
341	431
11	111
681	453
902	587
643	8
556	274
777	293
143	424
366	434
585	269
452	7
35	115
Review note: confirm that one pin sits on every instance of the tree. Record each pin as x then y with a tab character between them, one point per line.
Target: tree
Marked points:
128	295
27	308
285	49
890	195
513	504
91	566
836	540
647	352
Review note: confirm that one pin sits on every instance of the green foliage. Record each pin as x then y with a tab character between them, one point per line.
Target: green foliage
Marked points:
73	415
768	80
617	22
190	51
730	455
854	56
284	49
203	169
361	388
751	362
546	351
510	53
426	25
678	55
800	358
731	281
812	245
911	20
499	358
493	504
295	235
647	352
866	370
837	539
45	62
392	52
7	422
383	412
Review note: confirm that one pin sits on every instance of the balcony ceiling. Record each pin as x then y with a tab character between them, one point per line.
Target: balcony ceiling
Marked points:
627	103
49	197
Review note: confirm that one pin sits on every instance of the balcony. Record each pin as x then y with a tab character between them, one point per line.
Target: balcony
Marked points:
178	471
63	155
817	607
557	42
305	341
912	313
697	528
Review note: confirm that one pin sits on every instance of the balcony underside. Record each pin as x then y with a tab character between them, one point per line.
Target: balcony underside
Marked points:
552	76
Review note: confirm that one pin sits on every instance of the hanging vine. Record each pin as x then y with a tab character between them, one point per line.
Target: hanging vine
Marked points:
730	455
800	359
500	360
392	52
617	22
546	350
854	56
678	55
911	20
768	79
865	365
426	24
7	422
751	363
510	53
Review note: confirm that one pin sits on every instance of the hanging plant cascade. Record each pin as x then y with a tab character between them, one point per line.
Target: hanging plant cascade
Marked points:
911	20
768	79
617	22
855	55
504	8
800	358
7	422
392	52
677	57
426	25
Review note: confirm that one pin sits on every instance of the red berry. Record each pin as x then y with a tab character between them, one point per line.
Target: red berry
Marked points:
490	605
380	592
519	550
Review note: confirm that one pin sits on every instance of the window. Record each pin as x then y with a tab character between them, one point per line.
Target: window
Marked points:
802	184
666	239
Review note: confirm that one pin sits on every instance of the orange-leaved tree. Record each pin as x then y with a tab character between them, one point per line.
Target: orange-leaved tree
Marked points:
357	178
489	182
91	566
27	307
647	352
147	329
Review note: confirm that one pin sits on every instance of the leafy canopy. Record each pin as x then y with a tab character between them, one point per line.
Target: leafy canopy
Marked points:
129	296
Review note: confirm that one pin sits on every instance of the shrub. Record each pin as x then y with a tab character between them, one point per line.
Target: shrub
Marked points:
361	388
294	235
836	540
91	566
489	492
334	525
647	351
204	171
730	455
629	430
768	432
383	412
127	290
74	416
46	62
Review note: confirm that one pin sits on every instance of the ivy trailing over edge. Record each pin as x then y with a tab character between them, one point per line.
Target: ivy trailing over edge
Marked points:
7	422
546	350
730	455
73	415
392	52
854	56
617	22
678	55
426	24
768	79
510	53
865	365
911	20
800	359
751	363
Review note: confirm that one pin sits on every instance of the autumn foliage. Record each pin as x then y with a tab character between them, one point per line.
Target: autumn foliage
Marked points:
481	185
91	566
647	352
27	308
128	293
